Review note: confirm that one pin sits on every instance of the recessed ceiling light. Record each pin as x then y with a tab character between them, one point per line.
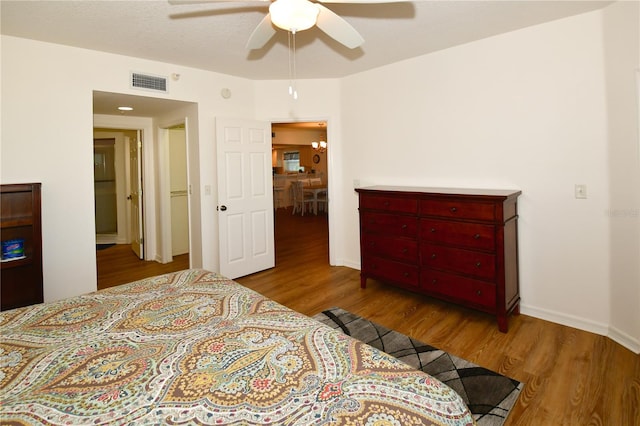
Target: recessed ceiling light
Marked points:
125	108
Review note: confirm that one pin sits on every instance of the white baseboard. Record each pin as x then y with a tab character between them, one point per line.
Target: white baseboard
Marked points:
583	324
625	340
350	264
563	319
106	239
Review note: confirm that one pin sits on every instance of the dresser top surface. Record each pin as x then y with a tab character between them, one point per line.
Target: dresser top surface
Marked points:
442	191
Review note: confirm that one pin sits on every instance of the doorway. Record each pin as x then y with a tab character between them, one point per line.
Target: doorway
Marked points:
118	263
178	178
118	165
294	159
112	184
104	183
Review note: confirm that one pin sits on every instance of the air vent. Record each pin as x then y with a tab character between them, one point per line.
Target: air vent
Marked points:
150	82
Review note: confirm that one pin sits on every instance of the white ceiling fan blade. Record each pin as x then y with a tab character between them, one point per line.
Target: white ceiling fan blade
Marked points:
178	2
337	28
364	1
262	34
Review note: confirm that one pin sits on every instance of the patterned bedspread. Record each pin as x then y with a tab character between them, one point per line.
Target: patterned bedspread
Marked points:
193	347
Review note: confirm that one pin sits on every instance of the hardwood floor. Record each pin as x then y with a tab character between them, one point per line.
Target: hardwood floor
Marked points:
572	377
119	265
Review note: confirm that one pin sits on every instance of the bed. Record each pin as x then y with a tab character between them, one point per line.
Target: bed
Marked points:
193	347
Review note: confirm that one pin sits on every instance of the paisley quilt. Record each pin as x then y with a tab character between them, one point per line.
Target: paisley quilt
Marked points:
193	347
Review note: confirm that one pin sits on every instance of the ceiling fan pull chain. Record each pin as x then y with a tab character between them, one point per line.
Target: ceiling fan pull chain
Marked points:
291	38
290	71
295	89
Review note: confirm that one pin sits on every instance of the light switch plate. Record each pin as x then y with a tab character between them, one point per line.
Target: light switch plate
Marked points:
581	191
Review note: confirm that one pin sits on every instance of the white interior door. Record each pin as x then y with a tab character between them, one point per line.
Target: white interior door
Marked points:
135	170
245	197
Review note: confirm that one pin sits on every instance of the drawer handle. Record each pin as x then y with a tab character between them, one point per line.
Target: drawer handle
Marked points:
433	255
372	244
404	226
405	250
434	281
386	204
476	237
406	274
453	209
479	293
433	230
478	264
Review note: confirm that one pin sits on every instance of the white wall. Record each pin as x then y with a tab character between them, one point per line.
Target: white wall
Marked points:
622	55
47	127
521	110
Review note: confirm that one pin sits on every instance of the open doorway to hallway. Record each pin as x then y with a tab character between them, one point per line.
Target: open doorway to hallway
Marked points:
161	220
118	262
300	181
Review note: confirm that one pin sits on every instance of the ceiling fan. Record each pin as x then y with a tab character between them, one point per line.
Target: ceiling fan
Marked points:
300	15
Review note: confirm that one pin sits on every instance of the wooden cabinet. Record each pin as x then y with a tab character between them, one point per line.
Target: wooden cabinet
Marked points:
21	279
458	245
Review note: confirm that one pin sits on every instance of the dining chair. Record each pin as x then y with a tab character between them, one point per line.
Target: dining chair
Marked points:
278	193
322	201
301	199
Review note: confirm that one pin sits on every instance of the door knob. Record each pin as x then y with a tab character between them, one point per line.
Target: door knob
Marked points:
222	208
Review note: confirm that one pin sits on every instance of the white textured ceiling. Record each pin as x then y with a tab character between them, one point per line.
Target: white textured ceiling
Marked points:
212	36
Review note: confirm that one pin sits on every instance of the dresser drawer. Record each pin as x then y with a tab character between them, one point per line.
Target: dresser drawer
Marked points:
391	204
457	287
396	225
458	209
397	248
469	262
395	272
463	234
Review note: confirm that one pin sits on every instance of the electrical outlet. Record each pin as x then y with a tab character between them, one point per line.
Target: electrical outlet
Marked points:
581	191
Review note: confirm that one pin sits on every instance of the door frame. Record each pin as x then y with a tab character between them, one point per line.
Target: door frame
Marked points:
120	146
331	178
165	254
145	125
135	189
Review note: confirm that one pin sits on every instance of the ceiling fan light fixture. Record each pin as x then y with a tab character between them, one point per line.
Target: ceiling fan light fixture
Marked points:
293	15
